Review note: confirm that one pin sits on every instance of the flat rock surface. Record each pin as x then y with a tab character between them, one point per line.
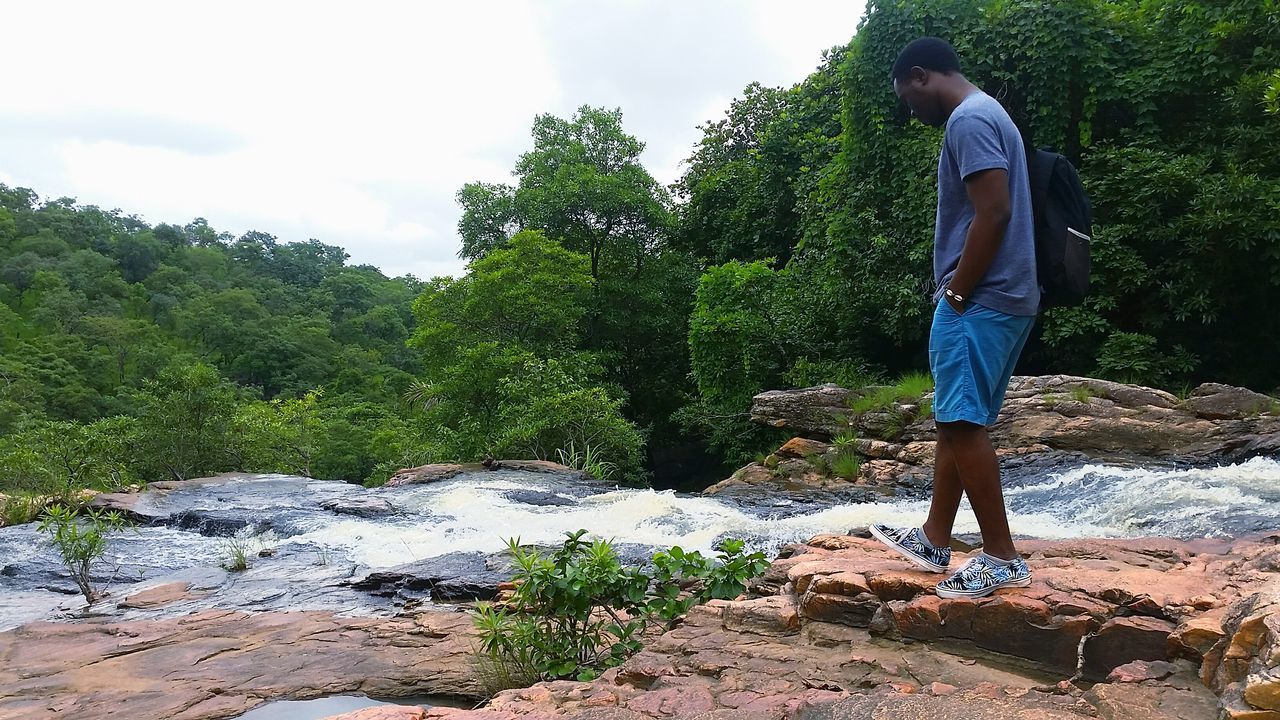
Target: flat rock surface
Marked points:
221	664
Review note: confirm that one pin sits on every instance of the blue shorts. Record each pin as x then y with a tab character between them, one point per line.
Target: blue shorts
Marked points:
971	357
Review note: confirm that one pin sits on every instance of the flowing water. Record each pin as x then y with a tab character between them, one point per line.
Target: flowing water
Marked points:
313	553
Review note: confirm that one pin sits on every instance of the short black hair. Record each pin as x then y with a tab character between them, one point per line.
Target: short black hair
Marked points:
930	53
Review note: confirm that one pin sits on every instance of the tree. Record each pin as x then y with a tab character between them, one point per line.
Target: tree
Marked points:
531	294
583	185
19	272
183	420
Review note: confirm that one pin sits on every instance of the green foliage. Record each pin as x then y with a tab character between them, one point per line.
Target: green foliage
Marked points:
278	436
1082	393
81	540
56	459
580	611
587	460
909	389
845	441
184	418
846	465
236	551
583	186
20	508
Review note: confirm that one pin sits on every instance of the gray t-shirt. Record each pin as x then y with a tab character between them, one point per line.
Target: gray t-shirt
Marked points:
980	136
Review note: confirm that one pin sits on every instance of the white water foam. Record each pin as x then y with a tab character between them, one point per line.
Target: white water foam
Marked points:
1093	501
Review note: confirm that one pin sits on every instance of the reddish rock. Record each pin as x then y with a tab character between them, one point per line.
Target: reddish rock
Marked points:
763	616
855	611
799	447
159	596
1124	639
384	712
1140	671
1196	636
218	664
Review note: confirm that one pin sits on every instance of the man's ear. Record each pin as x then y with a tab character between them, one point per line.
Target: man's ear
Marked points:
919	75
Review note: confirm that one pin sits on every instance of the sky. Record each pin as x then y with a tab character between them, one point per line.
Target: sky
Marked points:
357	123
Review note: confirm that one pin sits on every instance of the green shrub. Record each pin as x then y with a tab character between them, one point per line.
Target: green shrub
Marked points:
580	611
236	552
586	460
846	441
909	389
80	541
846	465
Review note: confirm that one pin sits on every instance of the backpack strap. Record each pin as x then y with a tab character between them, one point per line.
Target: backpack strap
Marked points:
1040	166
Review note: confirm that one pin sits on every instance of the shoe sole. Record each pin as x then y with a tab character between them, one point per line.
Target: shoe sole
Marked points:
931	567
967	595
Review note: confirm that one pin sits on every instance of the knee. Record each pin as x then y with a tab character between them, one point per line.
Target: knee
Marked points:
959	432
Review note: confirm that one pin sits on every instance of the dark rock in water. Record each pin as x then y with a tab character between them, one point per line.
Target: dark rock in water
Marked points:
365	507
465	576
450	577
541	498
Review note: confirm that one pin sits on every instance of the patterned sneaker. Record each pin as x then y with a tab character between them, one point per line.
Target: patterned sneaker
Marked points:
979	577
912	545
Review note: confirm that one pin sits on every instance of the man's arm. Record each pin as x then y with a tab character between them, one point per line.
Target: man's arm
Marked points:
988	190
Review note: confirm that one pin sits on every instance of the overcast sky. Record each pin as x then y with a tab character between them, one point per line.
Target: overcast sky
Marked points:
356	123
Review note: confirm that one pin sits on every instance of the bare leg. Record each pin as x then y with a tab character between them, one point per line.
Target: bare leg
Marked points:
979	473
947	492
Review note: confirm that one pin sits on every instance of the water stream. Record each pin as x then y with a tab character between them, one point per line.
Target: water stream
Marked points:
313	549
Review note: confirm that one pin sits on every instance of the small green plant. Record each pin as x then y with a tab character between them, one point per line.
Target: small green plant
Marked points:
819	463
81	541
909	389
236	551
588	460
1083	393
846	465
1050	400
913	386
579	611
846	441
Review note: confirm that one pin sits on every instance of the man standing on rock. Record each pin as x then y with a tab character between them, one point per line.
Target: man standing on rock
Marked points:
987	298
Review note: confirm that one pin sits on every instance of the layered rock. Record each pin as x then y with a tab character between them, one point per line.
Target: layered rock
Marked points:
1047	417
221	664
844	629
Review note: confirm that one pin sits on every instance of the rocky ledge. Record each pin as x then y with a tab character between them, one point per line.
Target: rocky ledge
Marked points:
1121	630
837	628
1045	420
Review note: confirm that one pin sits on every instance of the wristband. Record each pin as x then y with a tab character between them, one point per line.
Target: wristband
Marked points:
954	296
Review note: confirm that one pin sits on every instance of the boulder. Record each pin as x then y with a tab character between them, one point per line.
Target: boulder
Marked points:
1214	401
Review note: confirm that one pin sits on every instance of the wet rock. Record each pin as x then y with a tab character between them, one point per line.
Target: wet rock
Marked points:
422	474
446	578
540	498
365	507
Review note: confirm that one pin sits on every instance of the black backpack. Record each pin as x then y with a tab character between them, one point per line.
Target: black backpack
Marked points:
1063	221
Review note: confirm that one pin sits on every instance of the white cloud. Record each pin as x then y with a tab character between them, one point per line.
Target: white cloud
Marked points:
356	124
